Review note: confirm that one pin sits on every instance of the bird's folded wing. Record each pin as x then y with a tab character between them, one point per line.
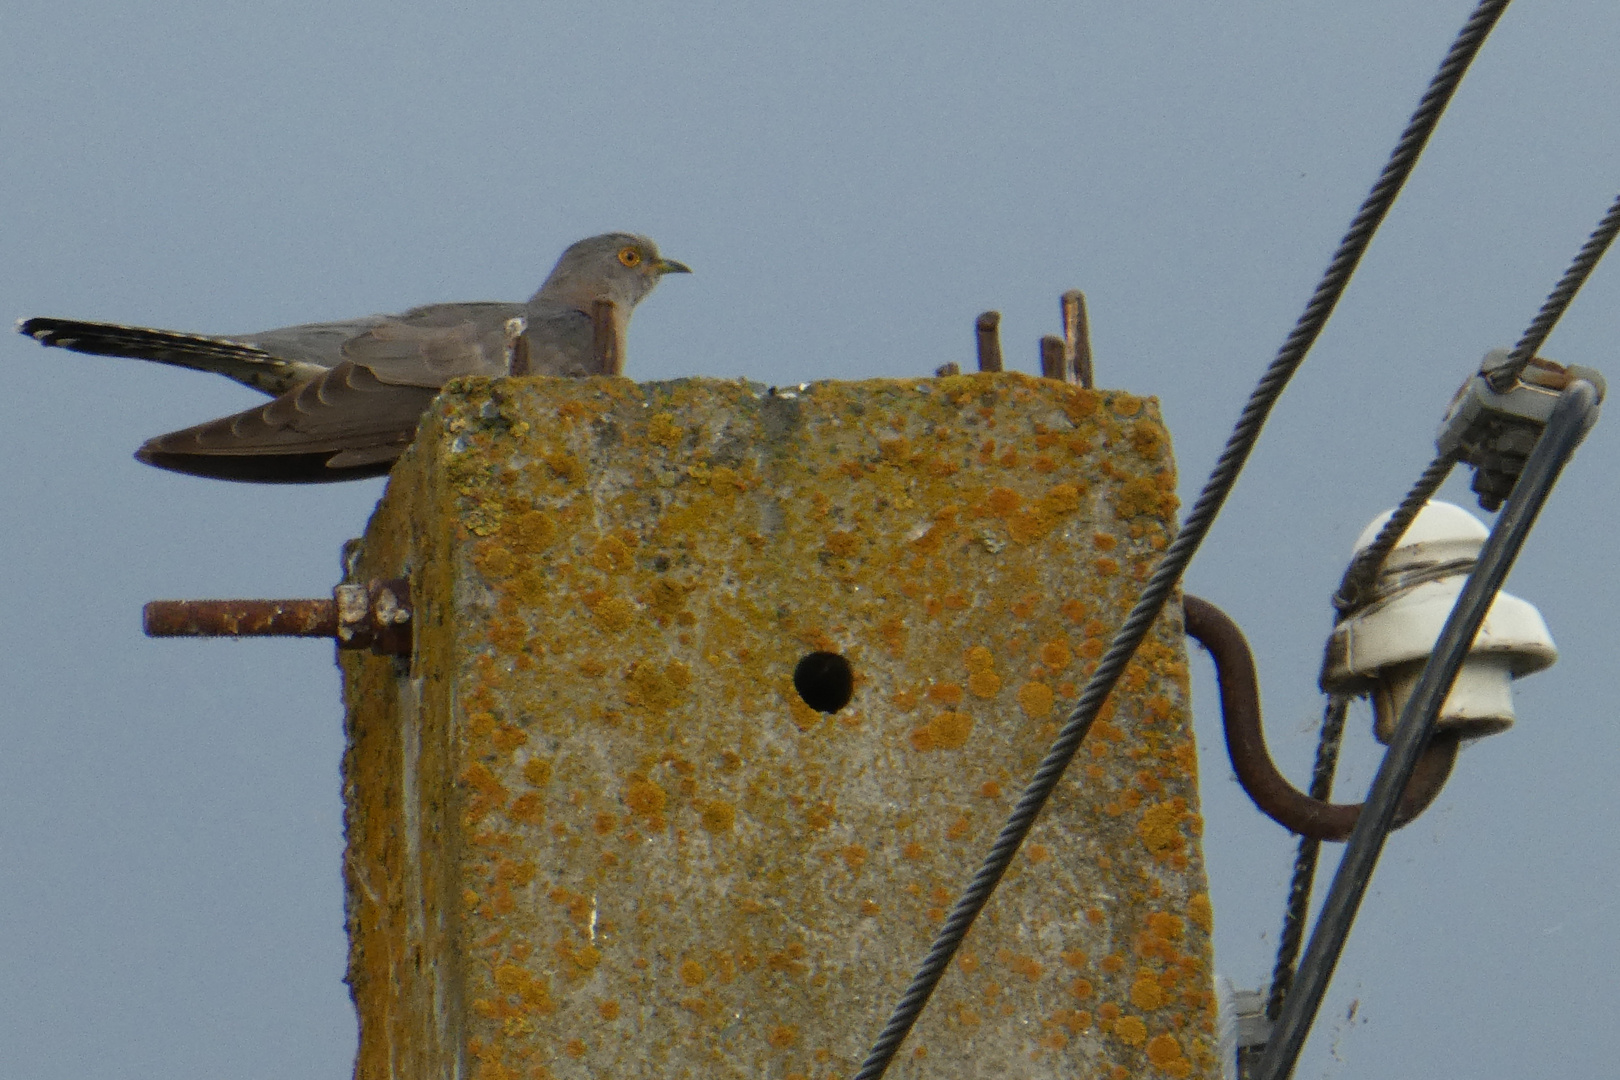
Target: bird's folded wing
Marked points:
344	424
429	346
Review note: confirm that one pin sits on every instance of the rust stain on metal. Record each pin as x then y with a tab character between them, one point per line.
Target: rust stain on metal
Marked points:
987	335
375	616
1077	337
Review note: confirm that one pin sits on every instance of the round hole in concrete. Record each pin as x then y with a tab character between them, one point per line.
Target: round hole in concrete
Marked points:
825	681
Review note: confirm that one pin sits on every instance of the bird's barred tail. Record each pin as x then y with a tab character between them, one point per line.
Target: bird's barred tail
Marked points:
110	339
247	364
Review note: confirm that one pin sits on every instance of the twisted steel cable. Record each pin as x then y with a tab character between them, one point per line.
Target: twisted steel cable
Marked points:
1180	552
1299	889
1363	569
1558	300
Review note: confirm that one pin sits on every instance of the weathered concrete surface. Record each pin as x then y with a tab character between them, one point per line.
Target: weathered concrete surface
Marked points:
594	833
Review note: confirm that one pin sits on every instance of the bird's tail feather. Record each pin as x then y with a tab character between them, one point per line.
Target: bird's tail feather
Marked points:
246	364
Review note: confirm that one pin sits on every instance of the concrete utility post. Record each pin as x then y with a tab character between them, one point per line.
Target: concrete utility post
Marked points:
595	830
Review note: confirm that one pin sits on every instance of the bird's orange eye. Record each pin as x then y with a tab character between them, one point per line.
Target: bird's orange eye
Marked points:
630	256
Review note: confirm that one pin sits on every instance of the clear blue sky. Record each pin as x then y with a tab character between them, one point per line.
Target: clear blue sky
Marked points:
852	183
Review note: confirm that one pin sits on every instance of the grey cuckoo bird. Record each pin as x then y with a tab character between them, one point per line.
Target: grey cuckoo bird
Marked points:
348	394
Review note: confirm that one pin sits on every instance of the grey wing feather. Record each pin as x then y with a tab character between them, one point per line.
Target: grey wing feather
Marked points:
429	346
318	344
341	425
440	316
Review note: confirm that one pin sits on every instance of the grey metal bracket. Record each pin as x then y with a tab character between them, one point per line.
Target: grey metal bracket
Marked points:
1495	431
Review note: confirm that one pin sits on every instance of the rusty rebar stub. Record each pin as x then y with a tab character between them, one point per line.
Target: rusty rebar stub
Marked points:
518	358
375	616
239	618
1054	362
1077	337
987	335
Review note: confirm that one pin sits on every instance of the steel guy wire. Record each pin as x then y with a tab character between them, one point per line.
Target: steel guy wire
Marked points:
1363	569
1299	889
1559	299
1366	565
1181	550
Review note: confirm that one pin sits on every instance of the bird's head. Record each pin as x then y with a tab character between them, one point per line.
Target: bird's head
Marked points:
621	267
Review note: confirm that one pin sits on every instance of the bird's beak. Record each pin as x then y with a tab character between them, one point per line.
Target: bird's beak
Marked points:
670	266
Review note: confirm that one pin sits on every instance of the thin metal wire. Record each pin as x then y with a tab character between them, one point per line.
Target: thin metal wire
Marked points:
1363	569
1559	299
1181	550
1299	889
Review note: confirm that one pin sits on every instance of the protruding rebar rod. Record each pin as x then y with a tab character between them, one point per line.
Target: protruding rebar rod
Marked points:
240	618
1054	360
605	344
375	616
1077	337
987	328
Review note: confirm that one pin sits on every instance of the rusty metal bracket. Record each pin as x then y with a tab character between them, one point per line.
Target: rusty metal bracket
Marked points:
1251	759
375	616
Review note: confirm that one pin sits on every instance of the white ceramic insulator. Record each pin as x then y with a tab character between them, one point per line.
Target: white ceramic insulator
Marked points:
1381	648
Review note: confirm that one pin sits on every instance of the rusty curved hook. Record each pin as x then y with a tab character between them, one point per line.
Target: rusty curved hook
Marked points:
1251	760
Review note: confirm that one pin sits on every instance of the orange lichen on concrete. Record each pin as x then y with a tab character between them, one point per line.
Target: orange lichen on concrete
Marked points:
947	731
592	828
1036	699
1146	993
1130	1030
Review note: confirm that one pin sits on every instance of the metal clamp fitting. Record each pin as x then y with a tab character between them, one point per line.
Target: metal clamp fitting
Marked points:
1494	431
